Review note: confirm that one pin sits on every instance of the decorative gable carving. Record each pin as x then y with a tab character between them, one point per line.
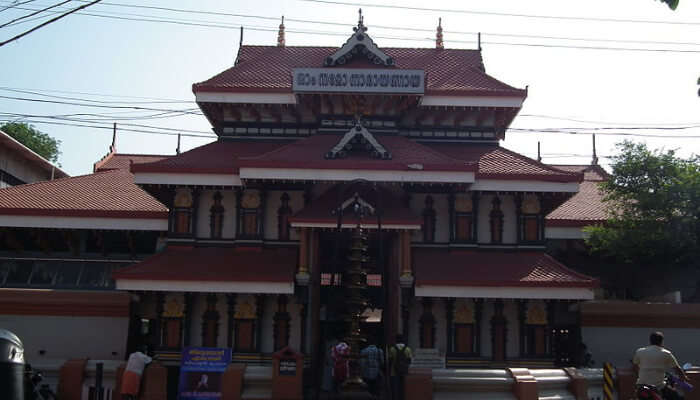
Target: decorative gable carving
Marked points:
358	137
359	45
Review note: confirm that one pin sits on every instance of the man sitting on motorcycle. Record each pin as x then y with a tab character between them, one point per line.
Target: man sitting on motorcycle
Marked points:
652	362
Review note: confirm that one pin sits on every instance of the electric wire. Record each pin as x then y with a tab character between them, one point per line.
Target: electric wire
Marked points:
502	14
157	19
32	14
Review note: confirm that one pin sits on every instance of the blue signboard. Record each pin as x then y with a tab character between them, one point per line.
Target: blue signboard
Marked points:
201	372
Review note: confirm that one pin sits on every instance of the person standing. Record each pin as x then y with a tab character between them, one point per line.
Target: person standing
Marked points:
400	358
371	363
131	380
652	362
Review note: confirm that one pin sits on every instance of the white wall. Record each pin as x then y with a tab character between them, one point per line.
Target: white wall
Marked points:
617	345
21	168
63	337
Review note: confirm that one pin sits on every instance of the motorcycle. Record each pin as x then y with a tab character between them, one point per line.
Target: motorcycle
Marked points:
670	391
33	388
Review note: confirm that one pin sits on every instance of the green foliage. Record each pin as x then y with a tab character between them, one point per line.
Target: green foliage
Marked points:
653	201
39	142
672	4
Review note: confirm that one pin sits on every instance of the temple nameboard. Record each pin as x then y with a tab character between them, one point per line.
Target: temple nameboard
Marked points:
366	80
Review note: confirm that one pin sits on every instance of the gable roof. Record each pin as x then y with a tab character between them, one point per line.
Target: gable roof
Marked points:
28	154
586	207
108	194
310	153
495	162
124	161
269	69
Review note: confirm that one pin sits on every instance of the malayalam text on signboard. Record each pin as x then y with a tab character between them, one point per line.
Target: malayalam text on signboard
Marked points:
409	81
201	371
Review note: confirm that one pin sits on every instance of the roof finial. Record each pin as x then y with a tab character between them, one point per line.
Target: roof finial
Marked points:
177	150
113	147
539	156
438	37
478	40
280	35
360	23
594	161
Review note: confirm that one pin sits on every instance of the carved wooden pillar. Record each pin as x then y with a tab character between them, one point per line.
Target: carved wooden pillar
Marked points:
405	313
405	248
283	213
210	323
518	218
281	324
260	310
304	250
476	196
498	332
231	310
522	314
549	337
156	334
478	314
237	217
317	351
427	325
189	299
449	315
451	210
303	311
496	221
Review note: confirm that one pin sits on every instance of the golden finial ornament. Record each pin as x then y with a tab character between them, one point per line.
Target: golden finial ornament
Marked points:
280	35
439	44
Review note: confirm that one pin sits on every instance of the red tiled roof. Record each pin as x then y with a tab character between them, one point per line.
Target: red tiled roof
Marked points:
586	207
225	264
214	158
590	172
124	161
441	267
320	210
109	194
269	69
496	162
310	153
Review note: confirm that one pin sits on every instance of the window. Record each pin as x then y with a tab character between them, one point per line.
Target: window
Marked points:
496	221
249	215
210	323
281	327
244	335
429	220
182	212
530	219
216	217
463	218
283	214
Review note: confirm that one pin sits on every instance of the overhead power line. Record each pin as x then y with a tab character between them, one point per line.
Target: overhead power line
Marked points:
502	14
98	105
110	127
32	14
15	3
210	24
52	20
95	94
94	101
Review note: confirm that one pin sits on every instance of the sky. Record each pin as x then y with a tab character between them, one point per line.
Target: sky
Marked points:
114	55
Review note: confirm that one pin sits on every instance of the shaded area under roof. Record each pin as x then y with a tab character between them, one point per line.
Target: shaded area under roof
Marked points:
320	211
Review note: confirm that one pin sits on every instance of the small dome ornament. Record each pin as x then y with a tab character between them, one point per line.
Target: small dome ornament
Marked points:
439	44
280	35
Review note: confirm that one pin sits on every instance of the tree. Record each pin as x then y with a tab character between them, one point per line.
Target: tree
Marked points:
672	4
653	202
39	142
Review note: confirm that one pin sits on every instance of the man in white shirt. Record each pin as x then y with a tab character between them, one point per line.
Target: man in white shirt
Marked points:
131	380
651	364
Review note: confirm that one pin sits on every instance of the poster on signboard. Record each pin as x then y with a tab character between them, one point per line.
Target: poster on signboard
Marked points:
201	372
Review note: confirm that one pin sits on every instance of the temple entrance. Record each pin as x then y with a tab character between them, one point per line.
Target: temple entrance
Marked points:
335	253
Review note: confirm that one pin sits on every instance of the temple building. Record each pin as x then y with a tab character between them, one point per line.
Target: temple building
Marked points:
323	153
